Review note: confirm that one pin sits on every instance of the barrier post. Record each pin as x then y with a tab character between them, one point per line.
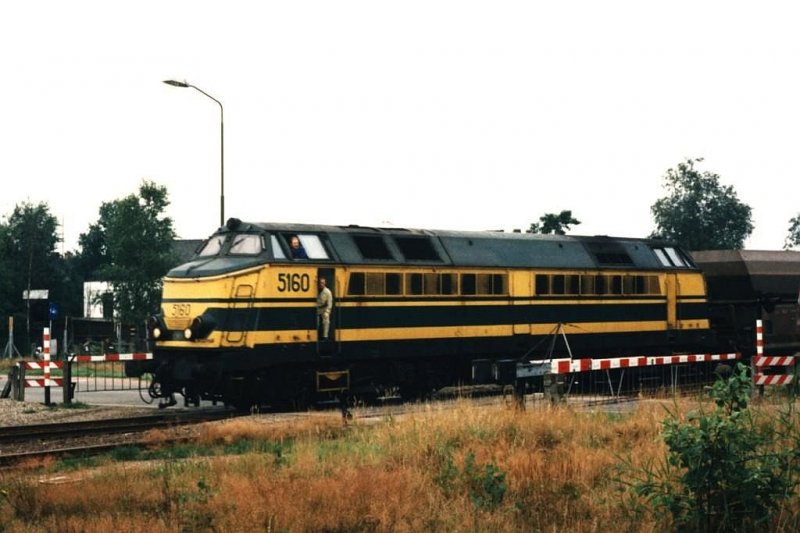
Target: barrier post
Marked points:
765	366
46	353
759	353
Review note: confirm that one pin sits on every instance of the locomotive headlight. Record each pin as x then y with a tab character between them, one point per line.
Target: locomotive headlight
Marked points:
200	327
155	327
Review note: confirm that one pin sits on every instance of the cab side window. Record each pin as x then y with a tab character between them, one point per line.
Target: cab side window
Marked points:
305	246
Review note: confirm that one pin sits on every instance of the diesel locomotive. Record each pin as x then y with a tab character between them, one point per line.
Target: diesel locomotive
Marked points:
413	310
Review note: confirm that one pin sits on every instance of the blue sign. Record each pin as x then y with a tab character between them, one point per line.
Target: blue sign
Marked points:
53	310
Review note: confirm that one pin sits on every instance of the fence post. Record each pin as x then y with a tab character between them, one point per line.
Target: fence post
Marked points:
66	380
20	396
9	387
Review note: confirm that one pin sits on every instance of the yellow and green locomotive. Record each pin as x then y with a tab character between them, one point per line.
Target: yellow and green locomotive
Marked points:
413	310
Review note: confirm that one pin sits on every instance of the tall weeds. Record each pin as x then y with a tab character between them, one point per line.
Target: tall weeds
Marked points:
465	468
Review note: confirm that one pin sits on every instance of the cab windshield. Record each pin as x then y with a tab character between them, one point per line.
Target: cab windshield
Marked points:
246	244
240	244
212	246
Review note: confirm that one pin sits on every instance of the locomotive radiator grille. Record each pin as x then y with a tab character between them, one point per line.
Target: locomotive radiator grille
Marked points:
177	323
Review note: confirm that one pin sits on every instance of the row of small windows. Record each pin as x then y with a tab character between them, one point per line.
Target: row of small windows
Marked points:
597	284
451	284
429	284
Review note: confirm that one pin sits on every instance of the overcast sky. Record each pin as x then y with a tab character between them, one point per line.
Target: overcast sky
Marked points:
429	114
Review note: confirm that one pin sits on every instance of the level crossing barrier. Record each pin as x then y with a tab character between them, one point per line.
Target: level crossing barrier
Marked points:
771	370
73	371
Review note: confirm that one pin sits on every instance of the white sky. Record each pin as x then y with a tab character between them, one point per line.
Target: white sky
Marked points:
426	114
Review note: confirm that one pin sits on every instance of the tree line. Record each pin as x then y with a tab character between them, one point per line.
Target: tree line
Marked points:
697	213
131	244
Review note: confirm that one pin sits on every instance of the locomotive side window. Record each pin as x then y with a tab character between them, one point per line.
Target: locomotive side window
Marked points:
431	284
484	284
212	246
488	284
558	284
676	259
357	284
467	284
670	257
662	257
499	284
247	244
376	283
449	283
615	285
394	284
588	285
277	251
653	285
413	283
428	284
542	284
600	285
629	285
573	284
595	285
311	244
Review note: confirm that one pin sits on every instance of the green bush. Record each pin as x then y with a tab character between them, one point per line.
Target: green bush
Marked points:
724	471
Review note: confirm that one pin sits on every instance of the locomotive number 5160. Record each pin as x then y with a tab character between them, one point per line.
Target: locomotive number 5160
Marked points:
293	282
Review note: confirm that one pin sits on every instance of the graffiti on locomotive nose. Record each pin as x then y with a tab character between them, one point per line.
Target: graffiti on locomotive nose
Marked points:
181	310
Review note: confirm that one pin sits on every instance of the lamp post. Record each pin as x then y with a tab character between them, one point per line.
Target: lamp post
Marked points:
183	84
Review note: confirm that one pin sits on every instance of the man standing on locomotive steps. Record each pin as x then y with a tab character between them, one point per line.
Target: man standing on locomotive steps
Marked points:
324	306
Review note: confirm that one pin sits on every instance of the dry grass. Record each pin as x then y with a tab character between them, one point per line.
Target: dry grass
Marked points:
457	469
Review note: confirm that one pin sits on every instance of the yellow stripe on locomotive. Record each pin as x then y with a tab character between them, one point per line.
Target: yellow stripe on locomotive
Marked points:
281	286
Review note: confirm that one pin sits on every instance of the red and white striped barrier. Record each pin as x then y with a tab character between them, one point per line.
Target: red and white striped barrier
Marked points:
761	362
112	357
46	365
46	380
571	366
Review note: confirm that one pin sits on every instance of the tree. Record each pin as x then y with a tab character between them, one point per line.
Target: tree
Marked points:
552	223
131	247
793	239
699	213
30	259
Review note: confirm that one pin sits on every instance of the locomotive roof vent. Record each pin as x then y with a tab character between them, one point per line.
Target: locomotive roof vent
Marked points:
417	248
372	247
609	253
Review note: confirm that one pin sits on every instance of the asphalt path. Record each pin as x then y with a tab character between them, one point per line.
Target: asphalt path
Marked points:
129	398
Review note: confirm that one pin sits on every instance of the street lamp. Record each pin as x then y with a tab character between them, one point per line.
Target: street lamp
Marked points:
175	83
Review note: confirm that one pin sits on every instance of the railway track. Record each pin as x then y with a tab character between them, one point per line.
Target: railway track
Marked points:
31	442
34	442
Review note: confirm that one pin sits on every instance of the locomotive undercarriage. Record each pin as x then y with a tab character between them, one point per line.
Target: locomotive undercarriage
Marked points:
294	386
297	377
